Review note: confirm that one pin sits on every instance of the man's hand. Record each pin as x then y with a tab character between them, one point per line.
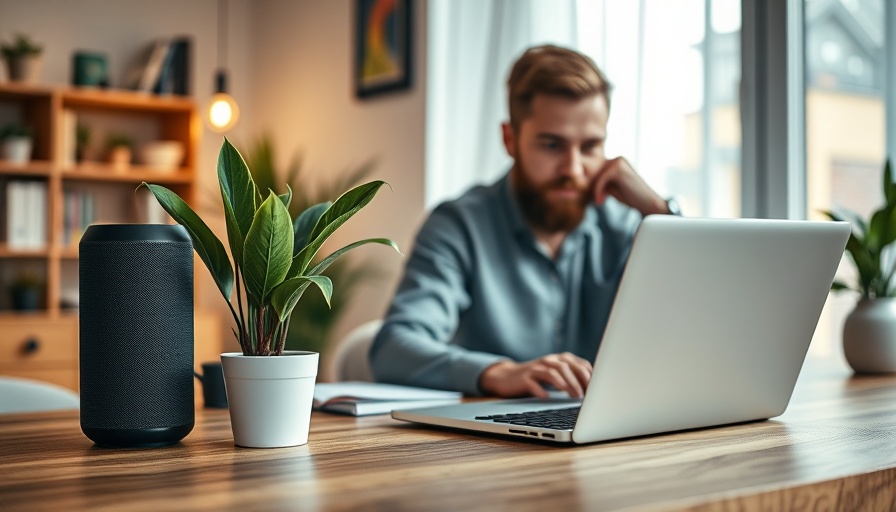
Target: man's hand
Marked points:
566	372
617	178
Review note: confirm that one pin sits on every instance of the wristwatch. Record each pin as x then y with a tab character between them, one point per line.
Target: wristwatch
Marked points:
672	206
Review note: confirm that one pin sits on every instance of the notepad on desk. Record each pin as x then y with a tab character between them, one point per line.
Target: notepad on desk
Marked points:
366	398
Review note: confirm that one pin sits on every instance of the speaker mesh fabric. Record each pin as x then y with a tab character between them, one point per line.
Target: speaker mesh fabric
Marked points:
136	334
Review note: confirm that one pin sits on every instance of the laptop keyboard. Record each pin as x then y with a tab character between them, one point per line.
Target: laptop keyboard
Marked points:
558	419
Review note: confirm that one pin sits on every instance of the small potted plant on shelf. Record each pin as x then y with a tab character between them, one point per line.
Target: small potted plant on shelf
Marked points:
869	333
83	134
119	148
17	143
25	292
23	59
269	390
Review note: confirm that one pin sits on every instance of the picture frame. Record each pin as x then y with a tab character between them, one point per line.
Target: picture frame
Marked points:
383	41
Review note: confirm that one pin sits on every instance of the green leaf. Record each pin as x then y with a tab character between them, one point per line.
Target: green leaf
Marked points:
888	232
347	205
877	229
839	285
286	295
305	223
859	227
834	216
268	249
238	193
287	197
326	262
206	244
866	265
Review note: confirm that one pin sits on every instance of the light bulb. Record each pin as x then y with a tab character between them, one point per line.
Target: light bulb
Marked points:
223	112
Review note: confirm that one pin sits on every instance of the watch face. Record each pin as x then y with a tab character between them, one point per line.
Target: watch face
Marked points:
672	205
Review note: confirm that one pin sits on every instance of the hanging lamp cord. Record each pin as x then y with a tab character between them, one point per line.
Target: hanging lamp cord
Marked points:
220	72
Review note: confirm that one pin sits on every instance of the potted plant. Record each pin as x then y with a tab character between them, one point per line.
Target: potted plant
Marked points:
869	334
83	133
25	292
23	59
119	148
314	318
17	143
269	390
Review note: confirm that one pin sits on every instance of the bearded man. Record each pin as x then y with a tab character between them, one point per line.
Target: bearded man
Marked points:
509	287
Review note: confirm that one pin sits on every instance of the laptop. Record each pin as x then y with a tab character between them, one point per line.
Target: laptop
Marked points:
710	326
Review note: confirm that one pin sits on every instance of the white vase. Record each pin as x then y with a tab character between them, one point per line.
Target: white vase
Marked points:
17	150
270	397
869	336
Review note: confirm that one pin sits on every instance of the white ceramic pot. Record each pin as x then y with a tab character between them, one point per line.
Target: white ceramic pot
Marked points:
869	336
270	397
17	150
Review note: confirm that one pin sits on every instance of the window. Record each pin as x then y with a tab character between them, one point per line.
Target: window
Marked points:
845	125
675	69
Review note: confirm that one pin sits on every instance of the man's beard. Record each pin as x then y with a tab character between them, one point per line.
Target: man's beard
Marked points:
550	214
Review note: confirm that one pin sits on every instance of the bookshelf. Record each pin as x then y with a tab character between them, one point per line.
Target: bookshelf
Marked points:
50	113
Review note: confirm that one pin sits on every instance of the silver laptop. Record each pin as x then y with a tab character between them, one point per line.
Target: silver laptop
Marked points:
710	326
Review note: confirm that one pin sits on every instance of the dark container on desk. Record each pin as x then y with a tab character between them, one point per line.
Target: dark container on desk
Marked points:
136	334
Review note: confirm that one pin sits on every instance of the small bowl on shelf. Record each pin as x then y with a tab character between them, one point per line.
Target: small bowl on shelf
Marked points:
162	155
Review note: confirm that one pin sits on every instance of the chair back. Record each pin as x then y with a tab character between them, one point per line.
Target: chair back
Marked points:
350	358
27	395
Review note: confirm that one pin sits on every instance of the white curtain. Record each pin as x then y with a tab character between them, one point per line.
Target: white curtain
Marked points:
471	46
652	54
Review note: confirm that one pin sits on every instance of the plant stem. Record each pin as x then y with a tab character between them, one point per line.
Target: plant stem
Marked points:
259	332
244	342
281	342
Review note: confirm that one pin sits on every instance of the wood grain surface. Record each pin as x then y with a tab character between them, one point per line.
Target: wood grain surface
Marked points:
834	449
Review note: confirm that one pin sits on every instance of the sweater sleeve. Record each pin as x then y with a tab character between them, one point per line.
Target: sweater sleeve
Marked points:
412	347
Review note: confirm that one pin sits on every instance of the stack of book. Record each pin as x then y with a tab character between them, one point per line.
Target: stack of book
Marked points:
26	214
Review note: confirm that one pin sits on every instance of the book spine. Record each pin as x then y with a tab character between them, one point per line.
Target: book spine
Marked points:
18	227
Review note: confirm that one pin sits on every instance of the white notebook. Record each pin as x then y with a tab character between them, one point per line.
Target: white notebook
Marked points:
365	398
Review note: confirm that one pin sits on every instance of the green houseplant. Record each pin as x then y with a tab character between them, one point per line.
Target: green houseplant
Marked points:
869	333
22	56
313	319
272	266
119	149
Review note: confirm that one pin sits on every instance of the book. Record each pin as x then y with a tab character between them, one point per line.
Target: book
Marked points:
366	398
69	137
173	77
149	74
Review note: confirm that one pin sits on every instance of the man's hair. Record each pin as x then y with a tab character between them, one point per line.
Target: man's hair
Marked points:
555	71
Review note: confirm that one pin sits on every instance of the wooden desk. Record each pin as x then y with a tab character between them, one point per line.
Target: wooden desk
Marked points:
834	448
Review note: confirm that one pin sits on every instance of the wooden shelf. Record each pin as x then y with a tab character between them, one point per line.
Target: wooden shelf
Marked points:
14	90
89	192
6	252
37	314
41	168
125	100
133	174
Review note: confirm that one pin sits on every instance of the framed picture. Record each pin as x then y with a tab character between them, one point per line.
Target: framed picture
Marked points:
382	46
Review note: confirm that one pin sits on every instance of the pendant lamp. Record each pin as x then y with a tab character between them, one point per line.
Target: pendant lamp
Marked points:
223	112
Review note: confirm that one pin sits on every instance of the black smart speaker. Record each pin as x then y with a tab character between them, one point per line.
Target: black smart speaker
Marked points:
136	339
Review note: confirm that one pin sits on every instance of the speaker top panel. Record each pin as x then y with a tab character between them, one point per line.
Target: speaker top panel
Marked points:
135	232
